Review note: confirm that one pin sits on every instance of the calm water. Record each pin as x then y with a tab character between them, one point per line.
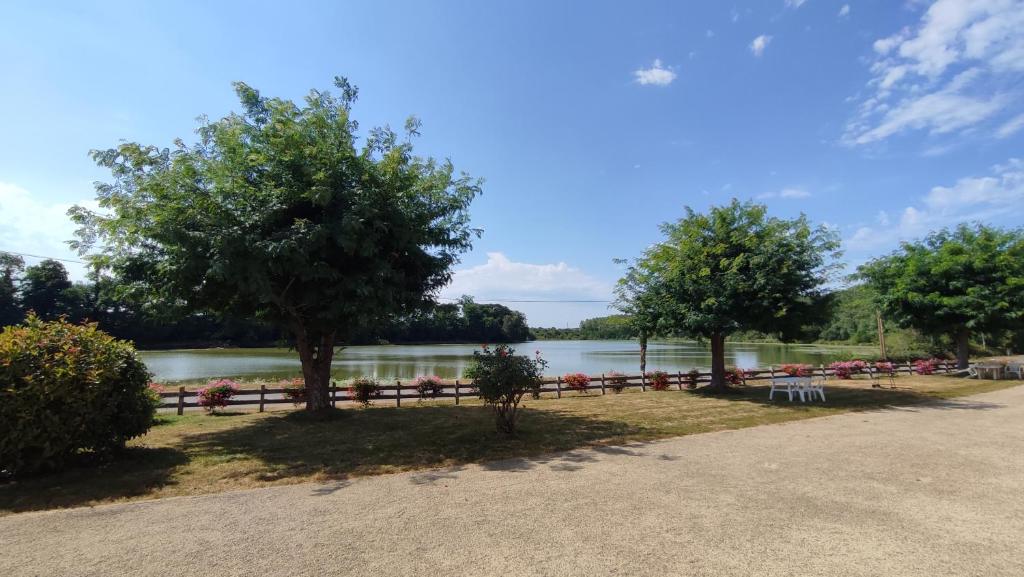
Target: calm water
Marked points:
448	361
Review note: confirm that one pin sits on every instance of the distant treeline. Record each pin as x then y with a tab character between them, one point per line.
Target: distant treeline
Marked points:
46	289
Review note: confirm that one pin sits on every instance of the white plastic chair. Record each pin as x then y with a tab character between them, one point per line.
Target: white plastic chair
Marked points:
1016	368
972	372
816	385
789	385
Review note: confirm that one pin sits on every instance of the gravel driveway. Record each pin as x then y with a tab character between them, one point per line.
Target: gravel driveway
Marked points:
916	491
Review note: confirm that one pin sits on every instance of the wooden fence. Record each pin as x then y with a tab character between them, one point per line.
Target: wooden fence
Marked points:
456	389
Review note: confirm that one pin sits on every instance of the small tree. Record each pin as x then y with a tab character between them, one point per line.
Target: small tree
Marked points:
277	214
502	378
954	282
734	268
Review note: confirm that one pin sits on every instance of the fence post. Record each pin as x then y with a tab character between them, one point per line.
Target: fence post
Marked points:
909	370
181	400
558	387
263	395
771	369
679	379
398	393
824	375
456	391
334	394
602	383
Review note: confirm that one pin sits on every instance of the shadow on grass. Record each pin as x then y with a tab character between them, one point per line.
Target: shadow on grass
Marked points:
849	399
133	472
382	440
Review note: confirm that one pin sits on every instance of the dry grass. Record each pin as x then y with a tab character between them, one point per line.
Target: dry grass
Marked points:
198	453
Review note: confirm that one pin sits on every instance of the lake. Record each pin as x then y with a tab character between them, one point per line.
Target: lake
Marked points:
448	361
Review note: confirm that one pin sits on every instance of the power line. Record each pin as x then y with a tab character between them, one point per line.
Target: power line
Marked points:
441	298
42	257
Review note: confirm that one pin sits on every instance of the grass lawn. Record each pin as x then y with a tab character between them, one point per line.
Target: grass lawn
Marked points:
198	453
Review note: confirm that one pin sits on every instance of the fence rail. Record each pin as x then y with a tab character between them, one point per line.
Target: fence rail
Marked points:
457	389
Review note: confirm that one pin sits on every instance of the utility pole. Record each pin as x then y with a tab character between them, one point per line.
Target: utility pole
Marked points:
881	334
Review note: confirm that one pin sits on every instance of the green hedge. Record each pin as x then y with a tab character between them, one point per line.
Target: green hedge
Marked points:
66	388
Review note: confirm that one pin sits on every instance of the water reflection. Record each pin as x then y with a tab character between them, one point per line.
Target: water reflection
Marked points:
448	361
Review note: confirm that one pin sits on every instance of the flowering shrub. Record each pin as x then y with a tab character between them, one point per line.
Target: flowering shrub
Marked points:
692	378
577	382
429	386
926	366
736	376
796	370
658	380
617	381
363	390
295	390
846	369
885	367
216	394
502	378
66	388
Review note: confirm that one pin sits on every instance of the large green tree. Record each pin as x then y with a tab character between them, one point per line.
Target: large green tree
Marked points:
954	282
734	268
281	213
11	266
44	289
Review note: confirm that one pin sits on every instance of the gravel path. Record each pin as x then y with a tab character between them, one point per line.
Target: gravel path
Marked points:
917	491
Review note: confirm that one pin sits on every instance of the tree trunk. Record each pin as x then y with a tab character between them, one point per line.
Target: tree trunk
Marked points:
643	354
963	350
316	356
718	362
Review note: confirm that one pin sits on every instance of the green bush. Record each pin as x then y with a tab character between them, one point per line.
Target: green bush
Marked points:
503	378
66	388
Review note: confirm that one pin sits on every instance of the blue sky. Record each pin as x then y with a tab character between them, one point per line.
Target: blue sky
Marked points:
591	122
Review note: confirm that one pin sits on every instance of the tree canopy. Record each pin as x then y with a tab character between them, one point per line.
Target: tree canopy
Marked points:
955	281
279	213
733	268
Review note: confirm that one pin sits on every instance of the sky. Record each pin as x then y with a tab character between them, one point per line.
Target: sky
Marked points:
591	123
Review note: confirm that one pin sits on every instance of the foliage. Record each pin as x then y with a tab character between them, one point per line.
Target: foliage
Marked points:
612	327
926	366
65	388
734	268
429	387
216	394
846	369
658	380
797	369
577	382
736	376
278	213
502	378
692	378
363	390
11	266
954	282
617	381
886	368
295	390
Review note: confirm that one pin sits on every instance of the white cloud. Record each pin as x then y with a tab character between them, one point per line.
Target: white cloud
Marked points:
33	226
795	3
734	15
656	75
758	45
790	192
844	11
947	73
710	33
501	277
997	196
1011	126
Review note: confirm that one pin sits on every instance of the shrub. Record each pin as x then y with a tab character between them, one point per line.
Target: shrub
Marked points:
363	390
926	366
577	382
846	369
617	381
658	380
503	378
216	394
295	390
736	376
692	378
429	387
796	370
885	367
66	388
